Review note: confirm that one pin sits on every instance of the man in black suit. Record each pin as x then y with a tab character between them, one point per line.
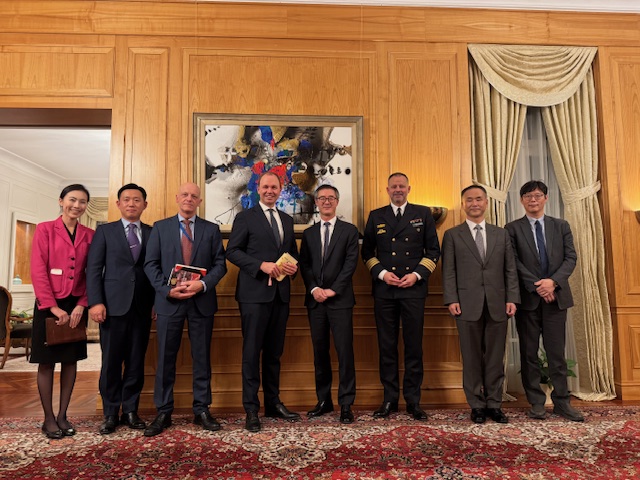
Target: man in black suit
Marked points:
545	257
260	235
184	239
400	249
121	300
328	260
480	286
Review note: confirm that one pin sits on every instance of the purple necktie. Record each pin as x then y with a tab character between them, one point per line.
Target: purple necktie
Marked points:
134	243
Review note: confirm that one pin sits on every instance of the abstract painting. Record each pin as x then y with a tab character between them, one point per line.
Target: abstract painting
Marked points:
232	151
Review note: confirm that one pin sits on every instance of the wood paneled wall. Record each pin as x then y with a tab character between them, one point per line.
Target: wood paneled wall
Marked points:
404	70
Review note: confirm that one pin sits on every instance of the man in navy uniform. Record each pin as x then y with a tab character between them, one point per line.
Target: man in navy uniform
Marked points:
400	249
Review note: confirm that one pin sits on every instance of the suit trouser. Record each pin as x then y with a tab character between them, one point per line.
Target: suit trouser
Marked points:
323	321
264	327
482	343
549	321
123	340
169	331
389	313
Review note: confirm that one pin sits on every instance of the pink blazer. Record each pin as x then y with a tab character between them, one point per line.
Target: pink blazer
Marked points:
57	265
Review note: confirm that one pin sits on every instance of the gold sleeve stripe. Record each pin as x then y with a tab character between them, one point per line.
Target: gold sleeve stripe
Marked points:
428	264
372	262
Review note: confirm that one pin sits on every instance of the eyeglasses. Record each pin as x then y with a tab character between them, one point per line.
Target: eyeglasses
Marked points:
326	199
531	196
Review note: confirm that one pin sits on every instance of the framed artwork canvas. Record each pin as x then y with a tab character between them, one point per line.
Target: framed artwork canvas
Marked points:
232	151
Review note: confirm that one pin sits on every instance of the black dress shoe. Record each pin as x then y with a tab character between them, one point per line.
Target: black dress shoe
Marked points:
321	408
416	412
70	431
133	421
386	409
207	421
253	422
346	416
162	421
478	415
52	434
280	411
567	411
109	425
497	415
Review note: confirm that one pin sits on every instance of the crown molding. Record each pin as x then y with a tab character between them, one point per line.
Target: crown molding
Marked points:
621	6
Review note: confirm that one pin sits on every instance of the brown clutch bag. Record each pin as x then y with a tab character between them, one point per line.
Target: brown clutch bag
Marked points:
58	334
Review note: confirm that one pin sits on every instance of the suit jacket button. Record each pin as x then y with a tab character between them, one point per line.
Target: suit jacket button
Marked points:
406	253
393	268
393	253
393	239
406	268
406	239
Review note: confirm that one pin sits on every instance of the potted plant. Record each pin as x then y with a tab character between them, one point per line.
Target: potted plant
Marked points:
545	379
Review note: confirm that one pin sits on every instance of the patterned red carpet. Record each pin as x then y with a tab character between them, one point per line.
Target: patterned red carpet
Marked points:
448	446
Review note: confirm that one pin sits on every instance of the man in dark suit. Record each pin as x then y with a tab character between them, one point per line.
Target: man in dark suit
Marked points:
400	249
480	285
328	260
190	240
259	237
545	258
121	300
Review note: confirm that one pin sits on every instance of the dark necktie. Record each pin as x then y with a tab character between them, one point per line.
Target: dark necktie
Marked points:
186	241
325	249
542	250
274	227
134	243
480	241
399	215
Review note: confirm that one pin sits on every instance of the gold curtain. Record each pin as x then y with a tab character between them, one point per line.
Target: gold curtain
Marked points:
97	211
496	133
561	79
573	140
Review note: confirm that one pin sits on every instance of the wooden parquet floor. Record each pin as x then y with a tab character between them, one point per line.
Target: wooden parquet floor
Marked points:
19	397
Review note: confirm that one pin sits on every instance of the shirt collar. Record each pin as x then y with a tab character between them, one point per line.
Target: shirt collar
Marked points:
126	223
265	208
472	225
332	221
532	221
402	207
181	218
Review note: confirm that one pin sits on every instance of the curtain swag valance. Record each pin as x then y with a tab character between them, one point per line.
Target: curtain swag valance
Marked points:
534	75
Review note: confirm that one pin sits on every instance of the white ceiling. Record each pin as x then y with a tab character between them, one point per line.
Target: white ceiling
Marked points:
632	6
67	154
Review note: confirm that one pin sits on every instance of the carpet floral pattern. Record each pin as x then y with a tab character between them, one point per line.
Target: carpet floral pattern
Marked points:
448	446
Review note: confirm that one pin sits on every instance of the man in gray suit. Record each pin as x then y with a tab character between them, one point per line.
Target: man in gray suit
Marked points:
545	258
480	283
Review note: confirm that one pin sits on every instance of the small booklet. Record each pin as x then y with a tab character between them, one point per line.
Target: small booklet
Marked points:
285	258
184	273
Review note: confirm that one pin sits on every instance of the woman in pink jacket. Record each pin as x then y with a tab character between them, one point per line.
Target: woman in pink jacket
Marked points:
58	262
